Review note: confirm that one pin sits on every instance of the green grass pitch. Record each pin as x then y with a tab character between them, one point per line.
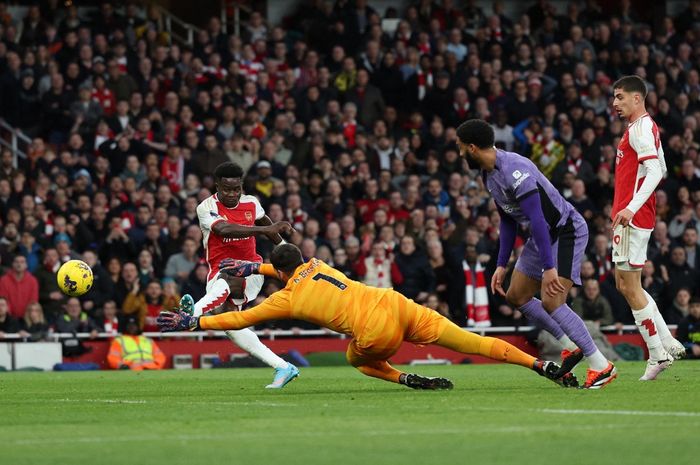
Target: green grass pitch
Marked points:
496	414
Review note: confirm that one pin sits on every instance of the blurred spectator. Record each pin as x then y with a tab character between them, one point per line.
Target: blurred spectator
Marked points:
34	322
580	200
8	323
692	248
74	320
688	331
19	287
652	282
128	281
592	306
676	273
148	304
180	265
379	269
132	351
418	276
678	308
601	257
109	320
50	296
102	287
196	283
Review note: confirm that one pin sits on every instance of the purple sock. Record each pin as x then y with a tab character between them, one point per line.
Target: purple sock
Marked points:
539	317
575	328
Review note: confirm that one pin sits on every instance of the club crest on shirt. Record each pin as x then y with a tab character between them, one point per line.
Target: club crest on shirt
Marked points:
249	216
213	213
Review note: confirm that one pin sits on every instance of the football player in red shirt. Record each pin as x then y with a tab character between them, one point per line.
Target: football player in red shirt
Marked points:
230	221
639	167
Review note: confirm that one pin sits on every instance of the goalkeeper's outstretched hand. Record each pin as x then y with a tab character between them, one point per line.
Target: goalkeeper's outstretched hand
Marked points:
177	321
238	268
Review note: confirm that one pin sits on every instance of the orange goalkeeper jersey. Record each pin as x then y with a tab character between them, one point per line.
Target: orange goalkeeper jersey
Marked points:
319	294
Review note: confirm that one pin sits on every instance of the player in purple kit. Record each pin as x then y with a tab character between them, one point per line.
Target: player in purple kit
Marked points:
551	259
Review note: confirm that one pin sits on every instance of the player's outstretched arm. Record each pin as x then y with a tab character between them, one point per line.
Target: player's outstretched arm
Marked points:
238	268
177	321
275	238
532	208
275	307
507	231
242	268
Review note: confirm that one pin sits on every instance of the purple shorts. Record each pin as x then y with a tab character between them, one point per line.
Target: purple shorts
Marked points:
568	249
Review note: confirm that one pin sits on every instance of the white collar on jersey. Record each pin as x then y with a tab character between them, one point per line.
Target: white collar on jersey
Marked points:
216	197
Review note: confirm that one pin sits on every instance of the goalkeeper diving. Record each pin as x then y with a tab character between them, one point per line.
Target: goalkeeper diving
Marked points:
378	320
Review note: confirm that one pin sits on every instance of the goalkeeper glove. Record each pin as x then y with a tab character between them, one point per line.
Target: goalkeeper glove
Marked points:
177	321
238	268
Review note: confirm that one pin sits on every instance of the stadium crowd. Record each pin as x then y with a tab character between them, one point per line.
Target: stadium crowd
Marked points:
346	129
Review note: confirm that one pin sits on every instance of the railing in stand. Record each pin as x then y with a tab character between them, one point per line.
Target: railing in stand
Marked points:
15	140
231	15
183	33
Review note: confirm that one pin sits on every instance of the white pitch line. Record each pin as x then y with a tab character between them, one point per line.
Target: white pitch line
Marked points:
649	413
102	401
178	402
241	435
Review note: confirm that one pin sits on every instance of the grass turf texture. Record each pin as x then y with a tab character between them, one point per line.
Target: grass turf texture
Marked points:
495	414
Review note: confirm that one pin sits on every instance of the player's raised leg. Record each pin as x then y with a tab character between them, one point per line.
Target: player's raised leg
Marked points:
568	250
521	295
460	340
600	370
244	290
225	289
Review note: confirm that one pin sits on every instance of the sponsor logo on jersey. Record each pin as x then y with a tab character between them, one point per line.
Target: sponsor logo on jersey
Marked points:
517	174
249	216
520	179
232	239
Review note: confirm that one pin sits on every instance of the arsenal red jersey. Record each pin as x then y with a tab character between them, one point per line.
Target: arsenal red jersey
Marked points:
639	143
210	212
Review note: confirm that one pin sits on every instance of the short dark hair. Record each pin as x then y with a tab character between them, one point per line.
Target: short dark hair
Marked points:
286	257
477	132
228	169
631	83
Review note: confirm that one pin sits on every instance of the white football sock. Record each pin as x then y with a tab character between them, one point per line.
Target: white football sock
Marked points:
214	298
664	333
247	340
644	318
597	361
567	343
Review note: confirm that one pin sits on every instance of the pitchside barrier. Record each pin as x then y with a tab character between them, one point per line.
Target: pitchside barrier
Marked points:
209	343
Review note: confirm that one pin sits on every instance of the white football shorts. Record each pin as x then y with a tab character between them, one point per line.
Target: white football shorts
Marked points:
630	248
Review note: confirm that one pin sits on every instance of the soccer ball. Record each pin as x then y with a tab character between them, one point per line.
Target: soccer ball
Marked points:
75	278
